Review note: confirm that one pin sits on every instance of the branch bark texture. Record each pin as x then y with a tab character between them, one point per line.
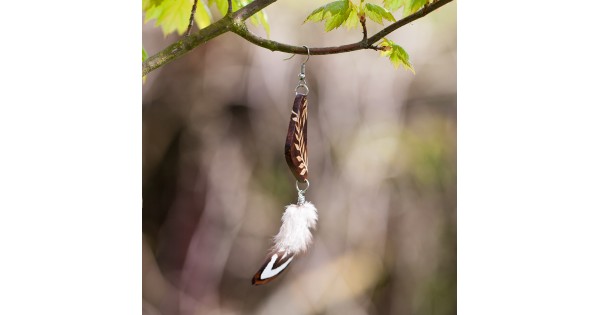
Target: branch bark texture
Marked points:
235	22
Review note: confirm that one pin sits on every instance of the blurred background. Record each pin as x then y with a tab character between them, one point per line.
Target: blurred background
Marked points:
382	157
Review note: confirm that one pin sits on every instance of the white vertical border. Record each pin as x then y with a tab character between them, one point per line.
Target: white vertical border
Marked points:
529	157
70	161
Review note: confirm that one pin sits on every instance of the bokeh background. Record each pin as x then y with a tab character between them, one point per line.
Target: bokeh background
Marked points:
382	157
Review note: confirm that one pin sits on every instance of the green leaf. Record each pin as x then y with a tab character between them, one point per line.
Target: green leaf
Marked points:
396	54
377	13
259	18
393	5
316	15
353	19
152	12
221	5
203	17
146	4
412	6
238	4
334	14
264	21
174	15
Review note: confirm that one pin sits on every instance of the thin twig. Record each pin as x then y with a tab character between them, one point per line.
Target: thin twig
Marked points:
363	22
189	29
229	7
235	23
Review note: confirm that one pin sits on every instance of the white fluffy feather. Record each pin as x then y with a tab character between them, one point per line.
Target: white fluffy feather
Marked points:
294	235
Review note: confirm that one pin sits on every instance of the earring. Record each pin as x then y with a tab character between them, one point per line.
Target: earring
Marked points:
295	235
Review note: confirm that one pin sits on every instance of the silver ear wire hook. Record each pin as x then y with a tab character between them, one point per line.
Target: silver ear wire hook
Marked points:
307	54
302	82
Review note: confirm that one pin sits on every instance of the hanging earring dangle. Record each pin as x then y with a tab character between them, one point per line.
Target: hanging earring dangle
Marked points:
299	219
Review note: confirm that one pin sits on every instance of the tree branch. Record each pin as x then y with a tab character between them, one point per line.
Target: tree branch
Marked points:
229	7
272	45
235	23
186	44
366	43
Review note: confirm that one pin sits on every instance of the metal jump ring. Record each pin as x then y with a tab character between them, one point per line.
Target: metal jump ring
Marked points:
301	191
301	85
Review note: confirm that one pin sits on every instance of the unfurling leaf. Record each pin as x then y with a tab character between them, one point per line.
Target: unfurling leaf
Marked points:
353	19
334	14
412	6
174	15
393	5
377	13
261	18
329	9
396	54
